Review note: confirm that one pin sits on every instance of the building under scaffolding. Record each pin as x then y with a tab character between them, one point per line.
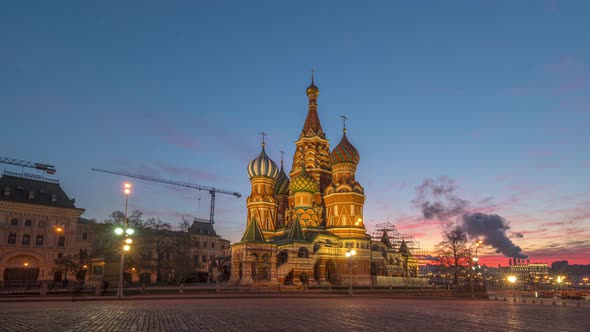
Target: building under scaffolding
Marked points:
398	254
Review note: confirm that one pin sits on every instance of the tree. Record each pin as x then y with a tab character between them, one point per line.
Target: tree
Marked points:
163	243
453	251
133	219
69	264
184	261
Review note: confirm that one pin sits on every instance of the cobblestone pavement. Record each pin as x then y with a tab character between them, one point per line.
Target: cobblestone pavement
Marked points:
291	314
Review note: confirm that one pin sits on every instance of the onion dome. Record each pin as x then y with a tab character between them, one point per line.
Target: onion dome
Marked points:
304	182
345	152
312	89
282	187
263	166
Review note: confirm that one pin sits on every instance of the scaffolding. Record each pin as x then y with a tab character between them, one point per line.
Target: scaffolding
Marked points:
386	232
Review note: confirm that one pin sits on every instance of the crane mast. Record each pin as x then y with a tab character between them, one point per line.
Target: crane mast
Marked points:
212	191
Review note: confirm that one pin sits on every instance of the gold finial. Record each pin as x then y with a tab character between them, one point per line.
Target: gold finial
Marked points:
312	89
282	156
263	134
344	118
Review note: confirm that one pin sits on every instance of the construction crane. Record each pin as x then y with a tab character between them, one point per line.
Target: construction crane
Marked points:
212	191
49	169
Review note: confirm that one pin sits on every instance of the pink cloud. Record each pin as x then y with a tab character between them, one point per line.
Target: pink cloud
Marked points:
540	153
185	172
171	134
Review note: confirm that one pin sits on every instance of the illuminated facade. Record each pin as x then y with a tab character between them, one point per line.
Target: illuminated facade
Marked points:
300	227
38	223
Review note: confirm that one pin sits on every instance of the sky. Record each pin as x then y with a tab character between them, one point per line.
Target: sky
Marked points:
491	94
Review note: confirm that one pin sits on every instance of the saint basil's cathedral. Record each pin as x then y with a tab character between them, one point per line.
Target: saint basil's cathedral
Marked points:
308	227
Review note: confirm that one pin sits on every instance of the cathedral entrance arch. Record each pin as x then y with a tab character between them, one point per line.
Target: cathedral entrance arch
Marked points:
331	272
316	271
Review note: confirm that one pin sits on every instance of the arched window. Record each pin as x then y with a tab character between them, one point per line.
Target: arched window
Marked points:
28	223
282	257
303	253
14	222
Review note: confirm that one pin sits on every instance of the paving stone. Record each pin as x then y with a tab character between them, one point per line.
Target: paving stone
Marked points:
290	314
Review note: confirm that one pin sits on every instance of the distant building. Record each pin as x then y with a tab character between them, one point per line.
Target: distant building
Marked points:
40	223
527	272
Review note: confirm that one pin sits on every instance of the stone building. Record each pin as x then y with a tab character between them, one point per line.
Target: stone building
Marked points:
308	227
38	223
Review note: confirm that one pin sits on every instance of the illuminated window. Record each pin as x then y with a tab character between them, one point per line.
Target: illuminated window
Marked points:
26	239
39	240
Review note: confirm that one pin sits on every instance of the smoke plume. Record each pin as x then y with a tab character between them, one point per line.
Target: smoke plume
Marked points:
436	199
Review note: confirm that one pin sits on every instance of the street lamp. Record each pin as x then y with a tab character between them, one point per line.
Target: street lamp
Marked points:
511	280
126	232
349	253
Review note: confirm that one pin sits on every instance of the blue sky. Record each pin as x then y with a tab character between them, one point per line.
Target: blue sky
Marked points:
492	94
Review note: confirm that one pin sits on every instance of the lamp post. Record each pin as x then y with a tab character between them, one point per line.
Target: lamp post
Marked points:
349	253
512	280
125	232
61	230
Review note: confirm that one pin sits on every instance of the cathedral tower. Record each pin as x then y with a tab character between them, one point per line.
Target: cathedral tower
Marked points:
282	196
262	206
312	147
344	196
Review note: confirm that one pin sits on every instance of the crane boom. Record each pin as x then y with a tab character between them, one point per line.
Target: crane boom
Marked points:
49	169
212	191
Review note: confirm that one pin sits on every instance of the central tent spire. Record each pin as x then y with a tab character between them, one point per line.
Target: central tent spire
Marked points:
312	126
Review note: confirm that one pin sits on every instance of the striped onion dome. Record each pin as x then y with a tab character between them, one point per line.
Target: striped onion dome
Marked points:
345	152
263	166
304	182
282	187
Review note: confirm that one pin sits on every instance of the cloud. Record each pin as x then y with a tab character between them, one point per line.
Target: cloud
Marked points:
190	173
436	199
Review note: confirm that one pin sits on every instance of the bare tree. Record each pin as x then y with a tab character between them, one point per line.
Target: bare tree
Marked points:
163	243
453	252
133	219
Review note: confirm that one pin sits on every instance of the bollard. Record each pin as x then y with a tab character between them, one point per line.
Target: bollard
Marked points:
181	289
43	290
